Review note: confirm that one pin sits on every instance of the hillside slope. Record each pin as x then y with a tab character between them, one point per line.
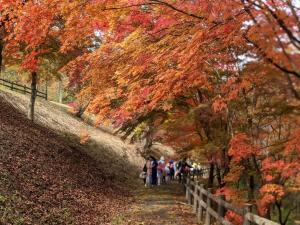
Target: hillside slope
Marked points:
46	180
110	151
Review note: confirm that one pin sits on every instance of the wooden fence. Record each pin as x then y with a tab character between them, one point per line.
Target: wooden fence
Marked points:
211	209
21	88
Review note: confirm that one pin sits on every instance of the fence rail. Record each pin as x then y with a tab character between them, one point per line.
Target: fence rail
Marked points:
21	88
210	208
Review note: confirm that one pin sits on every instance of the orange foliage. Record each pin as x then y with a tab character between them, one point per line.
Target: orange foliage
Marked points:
222	72
234	218
84	137
270	193
241	147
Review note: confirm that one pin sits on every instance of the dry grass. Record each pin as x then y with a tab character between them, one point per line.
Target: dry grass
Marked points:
110	151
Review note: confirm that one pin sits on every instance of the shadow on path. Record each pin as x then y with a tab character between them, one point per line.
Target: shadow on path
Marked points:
160	205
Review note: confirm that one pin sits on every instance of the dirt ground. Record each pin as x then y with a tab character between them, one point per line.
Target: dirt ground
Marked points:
45	179
46	175
160	205
109	150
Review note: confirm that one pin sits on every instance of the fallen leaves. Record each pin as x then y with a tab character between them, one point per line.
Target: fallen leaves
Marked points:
45	181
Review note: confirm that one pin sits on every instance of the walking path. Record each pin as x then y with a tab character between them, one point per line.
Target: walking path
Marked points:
160	205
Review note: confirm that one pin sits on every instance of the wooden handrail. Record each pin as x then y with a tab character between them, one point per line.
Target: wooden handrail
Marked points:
258	220
21	88
195	195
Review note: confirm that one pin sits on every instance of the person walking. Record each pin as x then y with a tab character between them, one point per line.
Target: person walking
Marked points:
172	170
154	171
148	182
168	173
183	168
175	166
160	170
143	175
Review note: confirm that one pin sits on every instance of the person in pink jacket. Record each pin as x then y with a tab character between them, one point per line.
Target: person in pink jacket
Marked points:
160	170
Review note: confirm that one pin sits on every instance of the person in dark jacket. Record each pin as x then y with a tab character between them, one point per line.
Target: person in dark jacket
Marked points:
183	168
172	170
154	171
145	171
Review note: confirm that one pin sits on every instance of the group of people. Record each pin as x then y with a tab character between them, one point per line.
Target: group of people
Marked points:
158	172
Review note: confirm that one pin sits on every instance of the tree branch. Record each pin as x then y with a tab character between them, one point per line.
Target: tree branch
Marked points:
177	9
270	60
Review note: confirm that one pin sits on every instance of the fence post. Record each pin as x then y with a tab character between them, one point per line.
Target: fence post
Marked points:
196	196
247	209
221	208
190	195
200	211
187	188
208	206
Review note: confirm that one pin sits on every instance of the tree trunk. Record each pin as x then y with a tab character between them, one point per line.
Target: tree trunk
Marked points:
268	214
2	37
211	175
145	139
149	138
219	177
251	187
33	95
82	109
280	219
46	87
1	57
60	92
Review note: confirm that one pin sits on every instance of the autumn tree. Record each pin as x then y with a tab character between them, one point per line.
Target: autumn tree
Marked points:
28	32
154	53
7	15
222	74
